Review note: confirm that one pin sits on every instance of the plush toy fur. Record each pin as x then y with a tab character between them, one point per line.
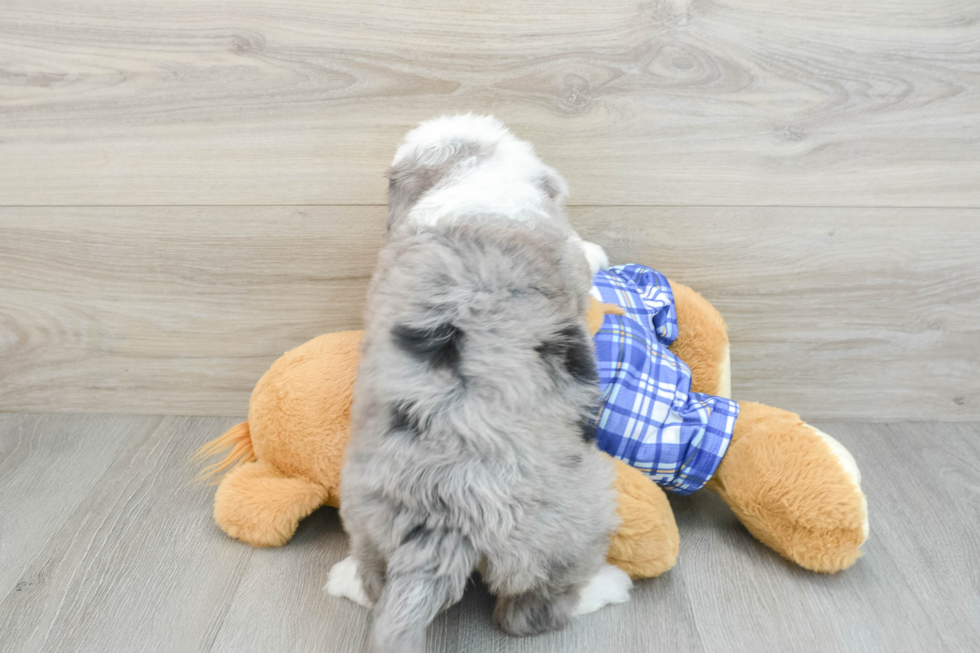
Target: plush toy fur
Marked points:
796	489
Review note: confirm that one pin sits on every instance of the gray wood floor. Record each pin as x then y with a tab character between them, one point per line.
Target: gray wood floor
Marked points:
105	546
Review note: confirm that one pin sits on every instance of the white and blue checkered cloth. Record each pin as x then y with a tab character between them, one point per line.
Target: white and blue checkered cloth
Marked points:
648	416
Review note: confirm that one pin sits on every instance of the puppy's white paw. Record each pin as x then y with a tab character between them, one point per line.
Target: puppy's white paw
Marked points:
343	582
610	585
596	256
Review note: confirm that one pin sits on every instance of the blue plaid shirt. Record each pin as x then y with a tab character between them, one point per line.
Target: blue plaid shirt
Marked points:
648	416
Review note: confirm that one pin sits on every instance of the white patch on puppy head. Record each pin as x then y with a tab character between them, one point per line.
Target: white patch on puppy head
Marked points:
434	141
474	165
343	582
610	585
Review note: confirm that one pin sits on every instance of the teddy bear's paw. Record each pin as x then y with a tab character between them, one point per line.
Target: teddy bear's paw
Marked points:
849	465
343	582
610	585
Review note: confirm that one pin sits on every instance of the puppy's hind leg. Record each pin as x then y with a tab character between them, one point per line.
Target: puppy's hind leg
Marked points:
540	610
426	573
359	577
553	605
609	585
345	582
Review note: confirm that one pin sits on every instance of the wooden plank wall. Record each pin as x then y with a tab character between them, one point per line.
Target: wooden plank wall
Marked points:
189	189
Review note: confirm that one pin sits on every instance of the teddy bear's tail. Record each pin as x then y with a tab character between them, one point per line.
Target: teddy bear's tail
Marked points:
238	439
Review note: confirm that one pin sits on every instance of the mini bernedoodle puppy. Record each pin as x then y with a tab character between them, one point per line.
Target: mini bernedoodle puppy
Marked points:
472	443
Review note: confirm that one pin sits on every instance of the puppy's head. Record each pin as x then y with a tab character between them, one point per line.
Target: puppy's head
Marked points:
469	164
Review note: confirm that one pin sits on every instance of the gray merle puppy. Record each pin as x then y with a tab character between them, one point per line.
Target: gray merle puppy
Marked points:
472	444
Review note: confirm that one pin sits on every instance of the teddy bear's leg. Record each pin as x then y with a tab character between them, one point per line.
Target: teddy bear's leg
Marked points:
255	503
646	543
795	488
702	342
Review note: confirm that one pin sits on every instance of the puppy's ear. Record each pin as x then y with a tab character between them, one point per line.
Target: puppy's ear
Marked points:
415	170
407	182
554	185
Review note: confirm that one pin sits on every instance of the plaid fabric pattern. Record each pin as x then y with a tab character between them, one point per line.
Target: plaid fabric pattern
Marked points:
649	417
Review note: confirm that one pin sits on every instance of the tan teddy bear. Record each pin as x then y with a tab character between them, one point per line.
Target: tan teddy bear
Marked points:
795	488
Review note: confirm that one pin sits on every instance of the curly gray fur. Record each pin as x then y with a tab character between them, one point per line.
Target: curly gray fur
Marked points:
470	442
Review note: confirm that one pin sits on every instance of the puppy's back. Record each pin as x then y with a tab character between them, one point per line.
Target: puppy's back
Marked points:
468	316
473	413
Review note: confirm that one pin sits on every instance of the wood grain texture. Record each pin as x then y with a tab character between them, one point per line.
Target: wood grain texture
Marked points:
171	310
310	623
918	537
834	313
934	529
728	102
48	464
136	563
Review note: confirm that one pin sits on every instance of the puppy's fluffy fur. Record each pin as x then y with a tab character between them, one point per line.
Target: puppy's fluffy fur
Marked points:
459	167
471	435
